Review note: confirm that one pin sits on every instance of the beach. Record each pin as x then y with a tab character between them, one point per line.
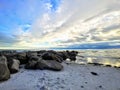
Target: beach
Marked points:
82	74
59	44
72	77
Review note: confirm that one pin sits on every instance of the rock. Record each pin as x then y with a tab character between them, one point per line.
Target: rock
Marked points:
51	56
31	65
108	65
49	64
94	73
4	71
41	51
22	57
13	65
96	64
32	62
115	67
72	55
68	54
34	58
11	56
64	55
100	86
31	53
37	63
44	88
47	56
82	86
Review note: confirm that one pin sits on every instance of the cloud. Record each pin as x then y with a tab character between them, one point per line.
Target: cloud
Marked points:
62	31
97	45
91	31
62	23
7	40
110	28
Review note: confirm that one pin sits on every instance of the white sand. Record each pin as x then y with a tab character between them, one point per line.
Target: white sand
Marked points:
73	77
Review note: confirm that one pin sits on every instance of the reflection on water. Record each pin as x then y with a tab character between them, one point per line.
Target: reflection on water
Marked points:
89	60
105	57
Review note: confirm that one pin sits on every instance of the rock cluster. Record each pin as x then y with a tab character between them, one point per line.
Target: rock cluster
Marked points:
43	59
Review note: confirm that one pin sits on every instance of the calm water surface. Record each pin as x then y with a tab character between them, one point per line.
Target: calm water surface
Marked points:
102	56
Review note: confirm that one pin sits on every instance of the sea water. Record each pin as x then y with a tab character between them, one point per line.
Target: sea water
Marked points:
101	56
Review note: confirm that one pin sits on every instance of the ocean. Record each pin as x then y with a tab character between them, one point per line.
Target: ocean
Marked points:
101	56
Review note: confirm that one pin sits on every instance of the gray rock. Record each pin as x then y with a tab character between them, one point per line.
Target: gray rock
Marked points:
32	62
37	63
22	57
13	65
49	64
94	73
4	71
31	65
50	55
31	53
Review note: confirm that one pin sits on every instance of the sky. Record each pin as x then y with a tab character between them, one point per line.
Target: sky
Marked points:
32	24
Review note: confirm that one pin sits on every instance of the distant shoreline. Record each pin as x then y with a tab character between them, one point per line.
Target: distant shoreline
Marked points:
56	49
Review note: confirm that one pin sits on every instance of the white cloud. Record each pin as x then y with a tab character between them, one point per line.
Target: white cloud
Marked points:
69	23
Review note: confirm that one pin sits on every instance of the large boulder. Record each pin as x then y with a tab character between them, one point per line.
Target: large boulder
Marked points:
31	54
10	56
32	62
41	51
22	57
51	56
4	71
13	65
49	64
63	54
38	63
